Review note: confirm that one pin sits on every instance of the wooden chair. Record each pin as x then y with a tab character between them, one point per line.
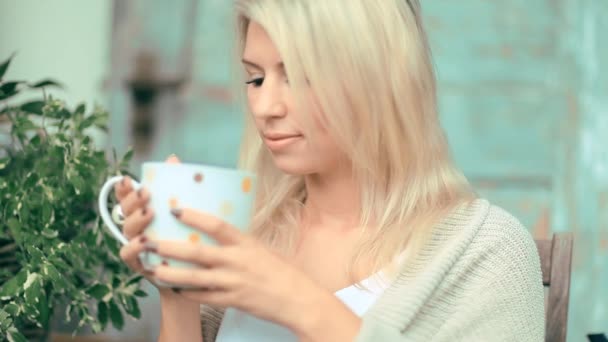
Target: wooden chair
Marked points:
556	262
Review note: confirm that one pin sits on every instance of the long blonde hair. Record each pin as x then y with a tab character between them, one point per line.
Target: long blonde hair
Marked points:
369	65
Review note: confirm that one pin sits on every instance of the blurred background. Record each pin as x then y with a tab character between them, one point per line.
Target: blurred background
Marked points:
523	89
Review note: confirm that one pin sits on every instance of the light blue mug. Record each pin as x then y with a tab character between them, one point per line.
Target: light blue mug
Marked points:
225	193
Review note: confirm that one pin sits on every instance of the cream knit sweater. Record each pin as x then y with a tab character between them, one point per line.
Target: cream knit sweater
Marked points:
478	278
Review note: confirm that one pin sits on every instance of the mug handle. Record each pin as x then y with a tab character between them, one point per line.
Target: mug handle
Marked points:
105	212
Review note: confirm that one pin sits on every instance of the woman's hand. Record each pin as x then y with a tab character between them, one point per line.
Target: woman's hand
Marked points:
242	273
137	217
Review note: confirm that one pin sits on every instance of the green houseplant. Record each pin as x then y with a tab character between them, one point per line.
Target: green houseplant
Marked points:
54	251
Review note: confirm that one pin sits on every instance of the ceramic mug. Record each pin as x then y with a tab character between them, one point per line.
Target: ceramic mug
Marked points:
225	193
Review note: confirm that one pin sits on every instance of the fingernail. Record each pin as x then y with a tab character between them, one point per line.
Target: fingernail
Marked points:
176	212
144	211
140	192
176	290
164	263
122	182
151	246
143	239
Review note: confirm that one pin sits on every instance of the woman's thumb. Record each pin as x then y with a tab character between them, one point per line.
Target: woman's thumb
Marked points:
173	159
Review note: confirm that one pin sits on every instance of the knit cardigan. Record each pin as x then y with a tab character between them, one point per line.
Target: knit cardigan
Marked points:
477	278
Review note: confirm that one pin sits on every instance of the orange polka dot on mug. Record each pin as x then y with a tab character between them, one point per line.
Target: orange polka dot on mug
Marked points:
246	185
149	176
226	209
194	238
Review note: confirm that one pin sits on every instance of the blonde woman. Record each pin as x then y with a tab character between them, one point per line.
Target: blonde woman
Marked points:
364	229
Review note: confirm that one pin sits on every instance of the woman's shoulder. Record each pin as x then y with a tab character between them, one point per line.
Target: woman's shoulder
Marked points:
478	269
492	227
481	234
473	234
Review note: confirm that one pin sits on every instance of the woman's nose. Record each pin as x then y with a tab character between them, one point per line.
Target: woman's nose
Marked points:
269	103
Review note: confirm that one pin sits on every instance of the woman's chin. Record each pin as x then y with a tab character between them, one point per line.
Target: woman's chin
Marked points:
293	166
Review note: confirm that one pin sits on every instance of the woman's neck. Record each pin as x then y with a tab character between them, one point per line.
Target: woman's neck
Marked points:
333	200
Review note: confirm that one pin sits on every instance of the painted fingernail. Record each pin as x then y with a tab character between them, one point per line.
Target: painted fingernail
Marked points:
176	290
143	239
176	212
151	246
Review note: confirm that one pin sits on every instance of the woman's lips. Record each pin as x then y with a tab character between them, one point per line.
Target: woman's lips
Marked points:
277	142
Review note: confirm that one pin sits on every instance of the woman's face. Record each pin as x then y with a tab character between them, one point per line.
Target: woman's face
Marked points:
277	119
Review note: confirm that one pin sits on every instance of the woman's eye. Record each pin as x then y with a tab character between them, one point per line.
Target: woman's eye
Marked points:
257	82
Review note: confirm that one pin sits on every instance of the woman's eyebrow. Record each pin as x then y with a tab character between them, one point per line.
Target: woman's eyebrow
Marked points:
279	65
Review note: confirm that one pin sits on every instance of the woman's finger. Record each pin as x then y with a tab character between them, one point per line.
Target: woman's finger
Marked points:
172	159
130	253
134	200
138	221
218	229
123	188
213	297
197	277
206	255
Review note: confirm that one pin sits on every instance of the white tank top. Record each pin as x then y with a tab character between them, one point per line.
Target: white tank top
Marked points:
239	326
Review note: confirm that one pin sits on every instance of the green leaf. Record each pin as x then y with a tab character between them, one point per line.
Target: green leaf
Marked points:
68	312
116	316
36	253
114	158
98	291
140	293
80	109
23	124
33	289
15	227
12	309
46	83
132	308
102	313
16	336
53	274
5	319
13	285
9	89
49	233
45	311
78	183
47	213
86	123
96	327
35	141
104	128
4	66
128	156
4	162
33	107
135	279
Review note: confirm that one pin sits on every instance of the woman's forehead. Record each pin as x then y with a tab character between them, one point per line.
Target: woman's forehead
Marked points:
259	48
